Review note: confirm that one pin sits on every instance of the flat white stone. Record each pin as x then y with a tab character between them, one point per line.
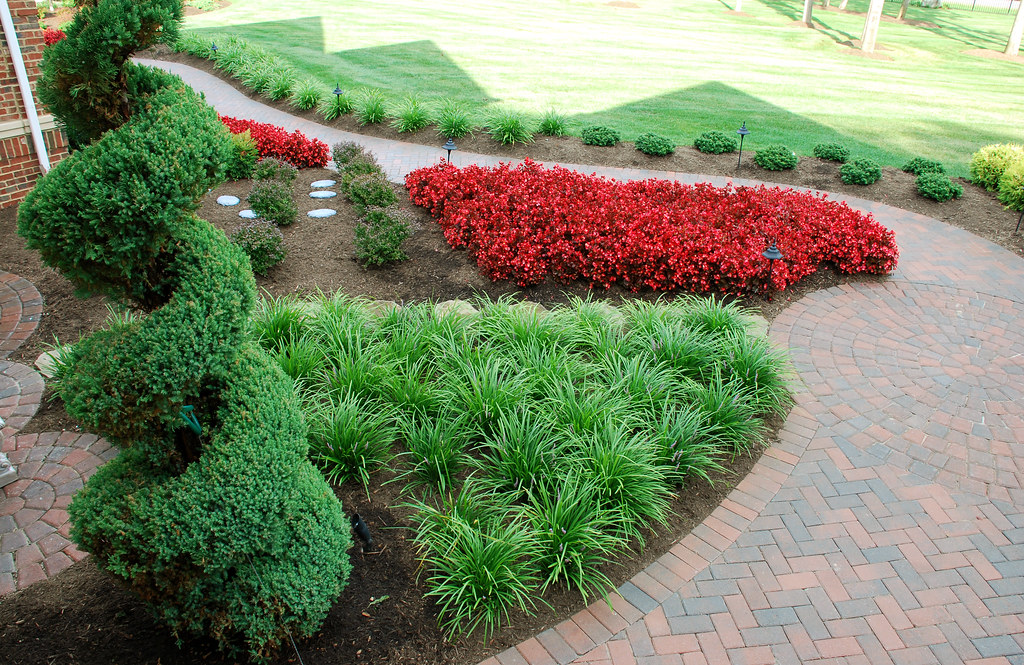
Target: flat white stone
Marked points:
228	200
324	183
322	194
247	214
46	363
454	308
322	212
8	474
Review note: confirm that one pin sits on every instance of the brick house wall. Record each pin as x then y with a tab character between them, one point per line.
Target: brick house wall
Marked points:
19	166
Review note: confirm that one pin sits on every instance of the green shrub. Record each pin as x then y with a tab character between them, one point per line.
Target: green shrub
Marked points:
1011	186
261	241
306	94
653	144
775	158
272	200
380	234
346	151
509	127
271	168
363	164
257	75
715	143
243	156
191	43
834	152
369	107
351	437
989	163
553	123
860	172
599	135
938	186
411	115
453	120
281	84
334	106
919	165
370	189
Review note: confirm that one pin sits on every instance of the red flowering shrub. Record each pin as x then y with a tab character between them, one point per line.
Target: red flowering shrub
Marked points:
528	222
273	141
52	36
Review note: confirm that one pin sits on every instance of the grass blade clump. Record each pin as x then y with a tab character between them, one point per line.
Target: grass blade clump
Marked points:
553	123
509	127
411	115
453	120
350	438
436	450
334	106
370	108
306	94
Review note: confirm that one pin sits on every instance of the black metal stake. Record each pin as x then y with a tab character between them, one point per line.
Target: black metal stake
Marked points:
772	254
1019	221
742	131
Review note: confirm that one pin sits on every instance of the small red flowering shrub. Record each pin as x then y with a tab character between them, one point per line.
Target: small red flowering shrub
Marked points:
273	141
528	222
52	36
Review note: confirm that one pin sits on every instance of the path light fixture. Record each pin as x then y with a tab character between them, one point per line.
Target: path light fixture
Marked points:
362	531
1021	219
213	47
338	92
742	131
449	146
772	254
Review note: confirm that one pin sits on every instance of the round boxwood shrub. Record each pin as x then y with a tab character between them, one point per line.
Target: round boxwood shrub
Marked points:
938	186
989	163
653	144
380	234
370	190
834	152
919	165
775	157
715	143
861	171
1011	186
261	241
599	135
272	200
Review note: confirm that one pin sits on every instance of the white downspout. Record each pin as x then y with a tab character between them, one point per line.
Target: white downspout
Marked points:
26	89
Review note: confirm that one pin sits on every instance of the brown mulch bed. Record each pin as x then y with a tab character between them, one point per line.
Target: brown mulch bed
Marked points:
84	616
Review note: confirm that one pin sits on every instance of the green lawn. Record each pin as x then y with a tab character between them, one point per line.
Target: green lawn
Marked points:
674	68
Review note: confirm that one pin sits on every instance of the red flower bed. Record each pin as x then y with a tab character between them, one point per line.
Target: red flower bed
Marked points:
273	141
52	36
528	222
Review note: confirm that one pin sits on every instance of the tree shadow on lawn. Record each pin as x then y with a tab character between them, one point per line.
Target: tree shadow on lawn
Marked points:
947	26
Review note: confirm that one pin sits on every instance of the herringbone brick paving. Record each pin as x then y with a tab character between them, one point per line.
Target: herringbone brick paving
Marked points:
887	525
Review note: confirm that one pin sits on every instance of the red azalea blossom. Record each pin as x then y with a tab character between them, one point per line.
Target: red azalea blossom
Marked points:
273	141
527	223
52	36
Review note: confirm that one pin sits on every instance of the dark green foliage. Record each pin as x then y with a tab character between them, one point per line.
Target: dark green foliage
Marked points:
553	123
363	164
509	127
775	158
919	165
343	153
380	234
272	200
261	241
370	190
862	171
269	168
939	187
653	144
834	152
715	143
599	135
243	156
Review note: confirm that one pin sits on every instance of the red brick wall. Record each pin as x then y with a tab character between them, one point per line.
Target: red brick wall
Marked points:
19	167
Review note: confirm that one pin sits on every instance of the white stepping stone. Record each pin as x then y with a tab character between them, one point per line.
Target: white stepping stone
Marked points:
47	361
322	194
322	212
324	183
247	214
228	200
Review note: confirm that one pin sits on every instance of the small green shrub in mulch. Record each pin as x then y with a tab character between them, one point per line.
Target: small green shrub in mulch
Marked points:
938	186
834	152
775	157
261	241
860	172
715	143
919	165
653	144
599	135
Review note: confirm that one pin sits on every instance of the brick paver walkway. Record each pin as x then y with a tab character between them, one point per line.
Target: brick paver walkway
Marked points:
20	308
887	526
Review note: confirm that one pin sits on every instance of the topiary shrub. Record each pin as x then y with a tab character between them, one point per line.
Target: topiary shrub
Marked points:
261	241
368	190
599	135
989	163
775	157
834	152
229	533
380	234
1011	186
652	144
860	172
715	143
272	200
938	186
919	165
243	156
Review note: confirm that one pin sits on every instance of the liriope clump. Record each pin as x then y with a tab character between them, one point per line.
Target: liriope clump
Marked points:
227	531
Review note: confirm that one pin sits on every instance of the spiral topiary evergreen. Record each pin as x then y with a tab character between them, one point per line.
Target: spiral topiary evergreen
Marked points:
228	531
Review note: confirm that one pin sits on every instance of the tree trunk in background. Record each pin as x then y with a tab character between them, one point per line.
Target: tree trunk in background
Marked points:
808	8
1013	43
903	10
871	23
842	5
739	6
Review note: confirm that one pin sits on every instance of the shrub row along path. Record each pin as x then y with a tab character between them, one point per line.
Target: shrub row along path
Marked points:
886	526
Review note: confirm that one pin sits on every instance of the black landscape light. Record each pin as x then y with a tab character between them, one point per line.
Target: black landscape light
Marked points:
449	146
363	531
213	47
772	254
338	92
742	131
1019	221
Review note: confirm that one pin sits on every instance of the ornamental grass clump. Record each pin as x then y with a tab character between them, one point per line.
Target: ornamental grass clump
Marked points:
599	135
306	94
715	143
553	123
453	120
861	171
938	187
509	127
655	145
775	157
833	152
370	108
411	115
335	105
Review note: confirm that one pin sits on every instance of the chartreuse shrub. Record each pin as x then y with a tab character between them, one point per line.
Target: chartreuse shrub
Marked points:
919	165
861	171
243	156
222	526
715	142
775	158
653	144
599	135
1011	186
834	152
938	186
574	426
989	163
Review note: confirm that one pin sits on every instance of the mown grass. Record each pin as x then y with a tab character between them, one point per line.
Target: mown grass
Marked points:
675	69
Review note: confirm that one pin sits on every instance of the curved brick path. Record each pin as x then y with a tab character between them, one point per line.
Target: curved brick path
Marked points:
20	308
887	526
